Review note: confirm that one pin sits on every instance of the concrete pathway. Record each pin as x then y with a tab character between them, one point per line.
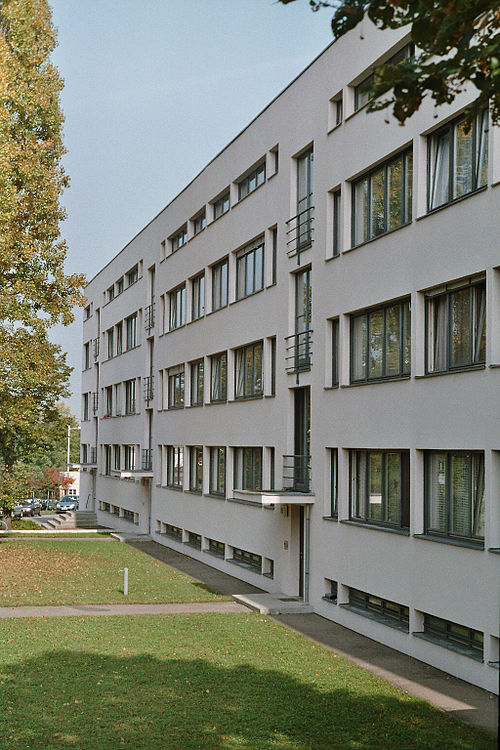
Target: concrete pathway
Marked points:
100	610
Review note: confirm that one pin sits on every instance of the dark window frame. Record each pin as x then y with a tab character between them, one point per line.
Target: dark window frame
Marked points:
385	610
246	384
218	378
248	468
359	497
176	386
220	284
175	467
195	464
448	633
217	479
252	181
197	382
221	205
247	273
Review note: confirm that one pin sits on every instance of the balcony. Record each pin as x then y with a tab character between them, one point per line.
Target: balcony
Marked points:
149	316
299	351
145	472
297	473
148	389
299	232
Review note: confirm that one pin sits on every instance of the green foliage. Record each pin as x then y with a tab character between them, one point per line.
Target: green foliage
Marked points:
457	43
35	293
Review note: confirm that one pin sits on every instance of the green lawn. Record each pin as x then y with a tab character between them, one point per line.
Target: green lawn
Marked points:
200	681
83	571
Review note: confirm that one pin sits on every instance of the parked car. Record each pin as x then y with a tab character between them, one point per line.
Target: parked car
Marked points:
30	506
67	503
47	503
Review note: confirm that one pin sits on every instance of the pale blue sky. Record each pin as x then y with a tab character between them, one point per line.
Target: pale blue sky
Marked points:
153	90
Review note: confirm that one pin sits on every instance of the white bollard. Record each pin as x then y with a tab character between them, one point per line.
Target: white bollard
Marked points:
125	581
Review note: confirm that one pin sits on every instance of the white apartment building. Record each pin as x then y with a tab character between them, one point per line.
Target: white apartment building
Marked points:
292	372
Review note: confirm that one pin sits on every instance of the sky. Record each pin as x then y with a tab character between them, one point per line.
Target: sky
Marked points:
153	91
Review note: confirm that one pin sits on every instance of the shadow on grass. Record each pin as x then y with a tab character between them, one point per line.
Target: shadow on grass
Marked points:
92	701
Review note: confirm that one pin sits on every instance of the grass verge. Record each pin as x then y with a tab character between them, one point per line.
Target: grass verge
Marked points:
73	571
216	682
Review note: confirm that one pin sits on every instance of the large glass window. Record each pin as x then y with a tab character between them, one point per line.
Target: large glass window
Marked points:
130	396
364	91
111	345
131	329
198	299
221	205
179	239
218	471
456	327
219	284
177	307
455	494
388	612
176	387
460	638
129	457
458	160
196	468
175	466
250	270
218	377
379	487
197	382
304	198
86	356
380	343
252	181
199	222
381	199
303	320
248	468
248	371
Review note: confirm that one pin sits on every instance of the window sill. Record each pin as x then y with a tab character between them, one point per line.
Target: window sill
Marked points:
178	328
256	397
334	257
174	408
213	496
329	599
494	664
247	296
240	200
331	387
377	618
469	368
269	395
244	565
213	554
217	309
217	402
454	542
330	518
191	491
377	381
193	406
376	527
172	487
495	550
494	366
378	237
450	646
436	210
337	125
194	545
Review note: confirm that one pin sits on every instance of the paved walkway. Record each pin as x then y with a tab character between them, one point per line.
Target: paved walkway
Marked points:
456	697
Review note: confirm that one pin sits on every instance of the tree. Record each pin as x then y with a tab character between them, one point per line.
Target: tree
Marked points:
35	292
458	42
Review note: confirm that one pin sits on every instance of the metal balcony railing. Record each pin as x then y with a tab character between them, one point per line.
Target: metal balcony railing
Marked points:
149	316
147	459
300	230
297	473
299	351
95	402
148	389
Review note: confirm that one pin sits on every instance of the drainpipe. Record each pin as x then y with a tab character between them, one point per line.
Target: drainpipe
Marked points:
307	547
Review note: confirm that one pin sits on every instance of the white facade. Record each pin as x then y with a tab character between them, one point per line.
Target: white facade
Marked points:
382	395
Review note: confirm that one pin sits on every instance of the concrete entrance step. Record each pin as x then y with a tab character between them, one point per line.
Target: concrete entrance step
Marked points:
80	519
130	536
274	604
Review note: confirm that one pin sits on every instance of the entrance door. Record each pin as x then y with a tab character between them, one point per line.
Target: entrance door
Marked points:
302	439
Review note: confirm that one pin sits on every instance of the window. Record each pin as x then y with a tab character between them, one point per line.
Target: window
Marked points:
87	312
273	366
194	540
118	399
248	469
196	468
247	559
303	318
363	92
221	205
338	110
86	406
197	383
337	224
454	494
111	342
252	181
249	270
218	377
198	297
176	387
130	395
248	371
110	293
456	327
380	487
380	343
381	199
390	613
129	457
173	531
119	286
86	356
218	471
335	352
219	284
107	460
457	637
132	275
131	329
177	307
216	548
305	209
179	239
85	453
175	466
458	160
199	222
331	593
116	457
334	482
274	247
109	401
119	338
